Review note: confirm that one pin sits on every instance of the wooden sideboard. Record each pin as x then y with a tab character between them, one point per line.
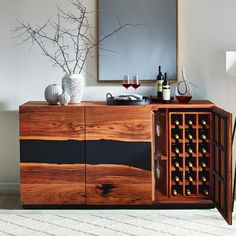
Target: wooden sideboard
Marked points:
96	154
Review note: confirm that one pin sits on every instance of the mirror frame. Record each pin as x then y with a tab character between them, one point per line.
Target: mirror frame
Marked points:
142	81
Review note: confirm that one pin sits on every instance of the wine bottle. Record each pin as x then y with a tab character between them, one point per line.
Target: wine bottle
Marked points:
189	163
176	162
166	90
176	177
189	177
189	149
205	191
203	179
203	164
202	135
189	135
174	192
203	149
176	135
203	122
190	122
188	191
176	149
177	122
160	79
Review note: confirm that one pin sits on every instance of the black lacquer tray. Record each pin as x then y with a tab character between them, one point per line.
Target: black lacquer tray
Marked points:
140	102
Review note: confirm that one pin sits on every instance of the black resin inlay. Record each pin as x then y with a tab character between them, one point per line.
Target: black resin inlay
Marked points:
135	154
51	151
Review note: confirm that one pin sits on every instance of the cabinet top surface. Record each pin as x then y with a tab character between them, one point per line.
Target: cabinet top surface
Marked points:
173	104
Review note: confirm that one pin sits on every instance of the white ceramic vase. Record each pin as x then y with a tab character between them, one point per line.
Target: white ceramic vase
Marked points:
74	86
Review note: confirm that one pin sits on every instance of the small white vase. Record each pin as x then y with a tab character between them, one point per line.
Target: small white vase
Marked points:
74	86
52	93
64	98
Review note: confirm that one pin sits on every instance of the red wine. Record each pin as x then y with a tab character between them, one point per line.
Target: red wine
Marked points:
160	79
135	86
166	90
126	85
183	99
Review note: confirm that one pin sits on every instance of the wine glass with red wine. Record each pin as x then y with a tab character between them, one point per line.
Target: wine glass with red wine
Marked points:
134	82
126	81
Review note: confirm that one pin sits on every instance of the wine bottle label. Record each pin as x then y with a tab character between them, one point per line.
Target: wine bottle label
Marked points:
190	122
190	136
190	179
159	85
166	94
204	122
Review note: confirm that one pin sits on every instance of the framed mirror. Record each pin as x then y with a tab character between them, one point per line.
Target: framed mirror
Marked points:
149	39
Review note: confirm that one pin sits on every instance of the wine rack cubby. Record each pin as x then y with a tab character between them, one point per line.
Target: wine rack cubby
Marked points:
189	154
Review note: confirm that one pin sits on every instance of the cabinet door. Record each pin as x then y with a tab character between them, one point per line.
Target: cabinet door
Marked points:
118	155
161	154
222	162
52	155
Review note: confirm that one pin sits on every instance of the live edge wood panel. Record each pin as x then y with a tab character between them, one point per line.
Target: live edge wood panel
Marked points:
118	155
52	152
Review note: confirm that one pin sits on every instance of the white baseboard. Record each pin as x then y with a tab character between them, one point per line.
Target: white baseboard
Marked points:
9	188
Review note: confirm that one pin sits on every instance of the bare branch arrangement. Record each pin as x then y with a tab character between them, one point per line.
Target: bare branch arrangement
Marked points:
66	41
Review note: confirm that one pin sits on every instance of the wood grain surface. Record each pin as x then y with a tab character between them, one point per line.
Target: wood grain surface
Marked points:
47	122
118	123
222	163
117	185
172	104
52	184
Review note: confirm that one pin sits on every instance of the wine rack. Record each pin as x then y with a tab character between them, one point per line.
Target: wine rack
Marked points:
189	154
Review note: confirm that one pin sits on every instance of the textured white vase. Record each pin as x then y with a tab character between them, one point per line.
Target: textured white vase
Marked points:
52	93
74	86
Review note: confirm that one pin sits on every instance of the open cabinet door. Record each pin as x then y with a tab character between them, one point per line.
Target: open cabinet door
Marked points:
222	162
161	154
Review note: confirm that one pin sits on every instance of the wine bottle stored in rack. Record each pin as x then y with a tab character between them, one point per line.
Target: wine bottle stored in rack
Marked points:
202	134
189	176
190	134
176	162
190	154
